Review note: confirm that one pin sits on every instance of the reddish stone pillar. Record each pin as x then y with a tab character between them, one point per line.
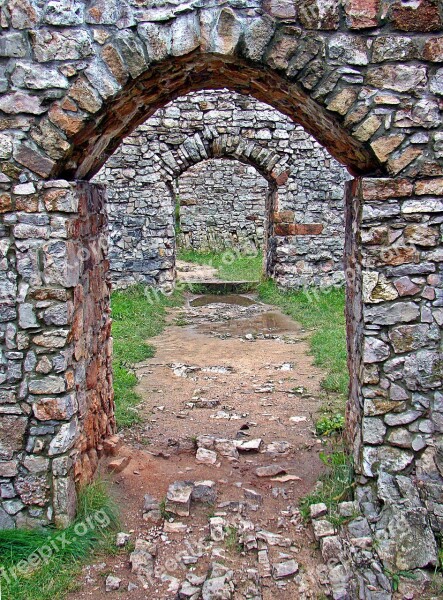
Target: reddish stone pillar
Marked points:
56	384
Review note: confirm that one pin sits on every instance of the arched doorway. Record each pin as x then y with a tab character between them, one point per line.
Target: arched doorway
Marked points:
108	77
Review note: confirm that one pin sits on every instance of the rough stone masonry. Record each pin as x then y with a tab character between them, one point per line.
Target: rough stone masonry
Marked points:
365	79
226	205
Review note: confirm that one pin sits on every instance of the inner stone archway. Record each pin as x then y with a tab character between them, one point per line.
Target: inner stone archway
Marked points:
308	238
76	84
234	217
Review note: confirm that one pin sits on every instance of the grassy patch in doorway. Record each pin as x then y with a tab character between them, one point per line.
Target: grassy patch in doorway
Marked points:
43	564
136	317
321	312
231	264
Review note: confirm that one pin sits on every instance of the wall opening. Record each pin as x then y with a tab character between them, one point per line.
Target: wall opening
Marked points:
70	94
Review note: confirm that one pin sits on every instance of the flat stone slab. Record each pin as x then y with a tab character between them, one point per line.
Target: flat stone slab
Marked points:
284	569
269	471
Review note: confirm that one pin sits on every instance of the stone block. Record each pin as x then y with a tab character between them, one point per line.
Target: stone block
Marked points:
178	498
362	14
12	432
322	528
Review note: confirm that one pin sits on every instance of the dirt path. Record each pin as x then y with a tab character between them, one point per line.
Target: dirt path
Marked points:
229	374
187	271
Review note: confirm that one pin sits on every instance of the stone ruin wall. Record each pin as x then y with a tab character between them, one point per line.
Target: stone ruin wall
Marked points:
64	341
222	205
366	79
142	192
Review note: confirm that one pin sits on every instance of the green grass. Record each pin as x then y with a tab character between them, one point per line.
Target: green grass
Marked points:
329	425
323	314
136	318
231	264
232	541
26	576
336	485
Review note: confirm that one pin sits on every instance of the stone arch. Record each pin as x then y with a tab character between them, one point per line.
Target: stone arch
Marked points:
205	145
366	83
309	242
208	144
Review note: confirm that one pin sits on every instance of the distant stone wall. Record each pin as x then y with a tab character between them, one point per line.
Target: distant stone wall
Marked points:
142	178
222	205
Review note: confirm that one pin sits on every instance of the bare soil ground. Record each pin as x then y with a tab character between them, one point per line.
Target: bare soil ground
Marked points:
237	371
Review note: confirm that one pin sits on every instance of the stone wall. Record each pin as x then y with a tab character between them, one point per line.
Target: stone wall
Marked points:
57	397
399	444
222	205
142	174
365	79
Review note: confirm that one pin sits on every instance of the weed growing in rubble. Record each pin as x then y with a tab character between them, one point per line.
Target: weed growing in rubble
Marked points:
336	485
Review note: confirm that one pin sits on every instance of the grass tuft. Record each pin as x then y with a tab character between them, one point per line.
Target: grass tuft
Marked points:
43	564
336	485
232	540
136	317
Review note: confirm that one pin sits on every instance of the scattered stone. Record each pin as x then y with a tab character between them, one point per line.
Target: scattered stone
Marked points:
122	539
112	445
142	559
151	510
196	580
227	448
217	529
178	498
269	471
205	403
298	419
274	539
175	527
275	448
286	478
253	495
218	587
189	560
250	445
206	457
119	464
112	583
204	491
264	566
284	569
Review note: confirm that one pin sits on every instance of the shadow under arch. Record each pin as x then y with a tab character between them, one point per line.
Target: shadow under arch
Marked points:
167	80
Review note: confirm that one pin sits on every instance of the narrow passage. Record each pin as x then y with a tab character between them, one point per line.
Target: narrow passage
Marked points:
225	450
